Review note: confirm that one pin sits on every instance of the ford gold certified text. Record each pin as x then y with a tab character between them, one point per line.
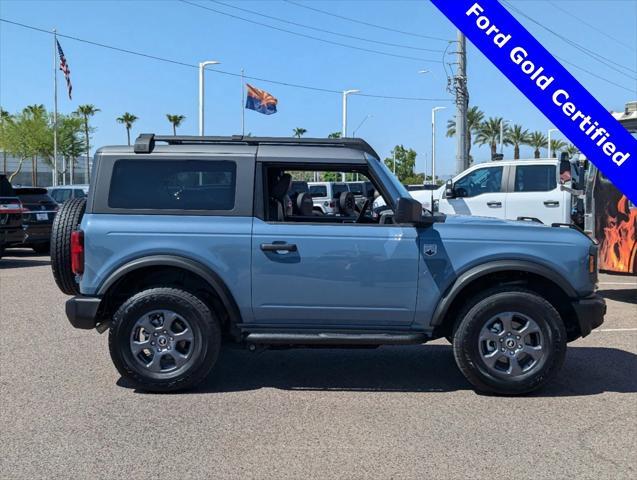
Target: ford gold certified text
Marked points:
559	96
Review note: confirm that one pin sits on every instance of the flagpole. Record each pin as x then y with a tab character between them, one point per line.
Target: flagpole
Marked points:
243	110
55	111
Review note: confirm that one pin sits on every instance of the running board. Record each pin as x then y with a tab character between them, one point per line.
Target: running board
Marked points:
336	338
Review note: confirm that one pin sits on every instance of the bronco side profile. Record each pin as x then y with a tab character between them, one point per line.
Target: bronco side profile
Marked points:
182	247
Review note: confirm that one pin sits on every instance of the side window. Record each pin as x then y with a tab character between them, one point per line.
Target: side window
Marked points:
482	180
61	195
338	188
173	185
535	178
77	193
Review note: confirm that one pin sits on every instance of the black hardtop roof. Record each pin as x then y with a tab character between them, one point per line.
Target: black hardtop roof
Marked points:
145	143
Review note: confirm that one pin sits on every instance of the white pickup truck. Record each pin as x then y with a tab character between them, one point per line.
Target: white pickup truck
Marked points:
540	189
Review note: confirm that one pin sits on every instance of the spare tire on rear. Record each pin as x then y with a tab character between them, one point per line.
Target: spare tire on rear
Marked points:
67	220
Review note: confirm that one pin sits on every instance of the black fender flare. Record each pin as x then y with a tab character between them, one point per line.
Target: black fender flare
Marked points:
491	267
193	266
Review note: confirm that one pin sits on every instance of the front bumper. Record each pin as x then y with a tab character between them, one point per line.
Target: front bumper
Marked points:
590	313
82	311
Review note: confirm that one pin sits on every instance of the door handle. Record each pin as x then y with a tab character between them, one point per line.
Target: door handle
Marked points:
552	203
494	204
278	247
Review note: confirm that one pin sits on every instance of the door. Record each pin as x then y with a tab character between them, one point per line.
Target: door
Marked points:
351	275
535	192
480	192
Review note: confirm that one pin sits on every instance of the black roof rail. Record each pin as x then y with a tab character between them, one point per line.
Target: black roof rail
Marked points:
145	142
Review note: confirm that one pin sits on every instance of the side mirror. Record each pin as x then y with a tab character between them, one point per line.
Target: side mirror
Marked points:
449	191
409	210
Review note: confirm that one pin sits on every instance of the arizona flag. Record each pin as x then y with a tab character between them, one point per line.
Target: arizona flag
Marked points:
260	101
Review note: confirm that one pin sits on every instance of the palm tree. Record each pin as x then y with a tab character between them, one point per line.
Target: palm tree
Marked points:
299	132
334	135
517	136
537	140
572	150
175	120
489	134
474	119
127	119
86	111
556	146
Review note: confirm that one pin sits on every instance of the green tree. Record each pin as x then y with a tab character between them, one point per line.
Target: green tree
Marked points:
405	161
537	140
87	111
474	119
517	136
26	136
557	146
127	119
299	132
489	134
71	141
176	121
334	135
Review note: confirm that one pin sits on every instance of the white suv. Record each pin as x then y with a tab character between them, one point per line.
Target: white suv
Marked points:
539	189
325	196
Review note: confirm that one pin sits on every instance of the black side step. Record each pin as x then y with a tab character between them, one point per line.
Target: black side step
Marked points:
334	338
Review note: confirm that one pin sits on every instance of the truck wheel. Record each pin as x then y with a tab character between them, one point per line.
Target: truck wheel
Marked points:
164	339
66	221
509	342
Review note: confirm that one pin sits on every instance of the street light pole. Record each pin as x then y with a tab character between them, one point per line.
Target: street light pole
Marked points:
344	127
202	66
549	135
433	144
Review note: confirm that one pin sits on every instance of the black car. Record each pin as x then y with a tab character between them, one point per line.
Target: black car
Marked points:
38	212
11	231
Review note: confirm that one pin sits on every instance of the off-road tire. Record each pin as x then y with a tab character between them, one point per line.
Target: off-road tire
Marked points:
478	312
67	220
203	320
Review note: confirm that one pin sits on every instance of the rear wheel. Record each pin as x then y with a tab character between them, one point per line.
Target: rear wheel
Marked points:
509	342
164	339
67	220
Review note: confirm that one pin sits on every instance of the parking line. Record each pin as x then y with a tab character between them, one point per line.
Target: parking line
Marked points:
615	330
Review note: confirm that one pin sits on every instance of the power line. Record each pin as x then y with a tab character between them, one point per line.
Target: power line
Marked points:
216	70
362	49
354	20
563	60
591	26
399	45
608	63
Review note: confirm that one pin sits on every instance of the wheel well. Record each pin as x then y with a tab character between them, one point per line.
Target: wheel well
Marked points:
167	276
544	287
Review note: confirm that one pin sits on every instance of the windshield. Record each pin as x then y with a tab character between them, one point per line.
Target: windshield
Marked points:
396	189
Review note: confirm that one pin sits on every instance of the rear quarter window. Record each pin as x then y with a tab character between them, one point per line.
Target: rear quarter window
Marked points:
535	178
318	191
173	185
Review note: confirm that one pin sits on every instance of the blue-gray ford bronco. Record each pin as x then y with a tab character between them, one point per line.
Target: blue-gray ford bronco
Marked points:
185	244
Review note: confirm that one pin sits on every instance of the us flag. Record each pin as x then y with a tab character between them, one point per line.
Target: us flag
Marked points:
65	69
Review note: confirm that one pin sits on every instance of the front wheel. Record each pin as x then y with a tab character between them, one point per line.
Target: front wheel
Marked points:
509	342
164	339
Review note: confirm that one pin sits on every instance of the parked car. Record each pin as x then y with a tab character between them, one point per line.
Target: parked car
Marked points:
63	193
11	230
421	186
38	212
532	189
327	196
171	275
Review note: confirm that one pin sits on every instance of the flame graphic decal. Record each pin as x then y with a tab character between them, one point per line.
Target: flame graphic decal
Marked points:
618	249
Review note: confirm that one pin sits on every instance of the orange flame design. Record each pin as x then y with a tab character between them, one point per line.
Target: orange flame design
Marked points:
618	250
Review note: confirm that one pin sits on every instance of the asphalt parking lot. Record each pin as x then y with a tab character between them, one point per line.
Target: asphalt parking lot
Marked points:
395	412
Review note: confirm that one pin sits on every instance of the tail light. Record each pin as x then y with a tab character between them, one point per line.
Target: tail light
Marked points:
13	208
77	252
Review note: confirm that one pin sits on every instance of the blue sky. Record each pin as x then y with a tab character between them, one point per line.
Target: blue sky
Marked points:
117	82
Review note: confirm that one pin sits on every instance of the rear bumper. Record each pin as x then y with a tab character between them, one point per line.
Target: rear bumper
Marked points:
37	233
590	312
82	311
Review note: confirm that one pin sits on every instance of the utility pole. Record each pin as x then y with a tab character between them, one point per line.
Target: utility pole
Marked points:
462	106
